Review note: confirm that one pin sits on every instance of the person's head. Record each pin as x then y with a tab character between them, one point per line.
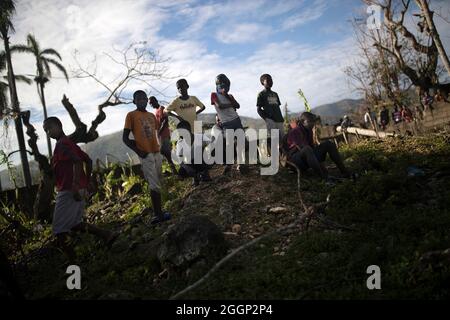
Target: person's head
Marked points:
222	84
140	99
368	109
182	87
266	81
53	127
307	119
153	102
383	108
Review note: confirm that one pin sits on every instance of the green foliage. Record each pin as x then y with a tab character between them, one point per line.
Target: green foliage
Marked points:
396	220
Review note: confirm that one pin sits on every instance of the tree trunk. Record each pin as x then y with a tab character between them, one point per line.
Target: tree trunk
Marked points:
44	106
17	120
42	208
433	31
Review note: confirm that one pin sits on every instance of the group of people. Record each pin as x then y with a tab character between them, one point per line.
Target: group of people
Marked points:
151	139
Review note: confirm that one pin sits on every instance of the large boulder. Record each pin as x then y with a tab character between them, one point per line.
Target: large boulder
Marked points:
192	239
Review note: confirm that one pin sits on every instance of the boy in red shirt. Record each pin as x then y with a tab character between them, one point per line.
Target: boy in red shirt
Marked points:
305	154
72	182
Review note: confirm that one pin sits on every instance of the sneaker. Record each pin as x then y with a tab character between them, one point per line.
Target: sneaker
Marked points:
166	216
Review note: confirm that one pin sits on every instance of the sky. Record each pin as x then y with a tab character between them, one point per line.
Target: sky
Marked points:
302	43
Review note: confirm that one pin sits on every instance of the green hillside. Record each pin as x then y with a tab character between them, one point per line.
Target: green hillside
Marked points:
384	218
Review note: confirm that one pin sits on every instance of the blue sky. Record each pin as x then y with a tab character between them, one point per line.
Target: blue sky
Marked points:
303	43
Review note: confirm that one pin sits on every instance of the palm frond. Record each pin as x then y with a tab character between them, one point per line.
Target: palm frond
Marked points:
21	48
48	72
7	10
52	52
22	78
59	66
33	44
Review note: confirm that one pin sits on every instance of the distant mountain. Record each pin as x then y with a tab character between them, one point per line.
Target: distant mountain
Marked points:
332	112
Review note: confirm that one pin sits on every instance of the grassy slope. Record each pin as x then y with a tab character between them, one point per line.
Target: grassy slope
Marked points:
397	219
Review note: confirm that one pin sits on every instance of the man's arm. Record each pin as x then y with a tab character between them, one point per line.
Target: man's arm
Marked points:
261	112
164	122
131	143
202	107
170	113
227	106
260	102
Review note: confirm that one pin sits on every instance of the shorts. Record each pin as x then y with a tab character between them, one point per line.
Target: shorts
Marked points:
152	169
68	212
270	124
166	146
233	124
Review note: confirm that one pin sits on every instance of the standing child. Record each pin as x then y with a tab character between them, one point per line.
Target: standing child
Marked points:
188	167
163	132
384	118
144	127
72	182
396	115
185	106
268	104
226	107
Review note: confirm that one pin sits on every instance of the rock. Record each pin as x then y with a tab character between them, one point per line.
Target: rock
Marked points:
236	228
117	295
134	190
277	210
192	238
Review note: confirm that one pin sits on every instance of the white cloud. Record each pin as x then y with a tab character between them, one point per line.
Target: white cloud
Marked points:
313	12
94	27
242	33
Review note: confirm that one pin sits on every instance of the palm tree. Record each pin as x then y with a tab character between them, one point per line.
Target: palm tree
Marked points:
43	71
4	86
7	9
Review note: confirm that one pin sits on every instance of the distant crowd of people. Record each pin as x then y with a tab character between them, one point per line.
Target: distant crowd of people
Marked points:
399	114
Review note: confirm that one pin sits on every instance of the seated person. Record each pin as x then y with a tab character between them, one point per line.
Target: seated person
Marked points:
304	154
199	172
